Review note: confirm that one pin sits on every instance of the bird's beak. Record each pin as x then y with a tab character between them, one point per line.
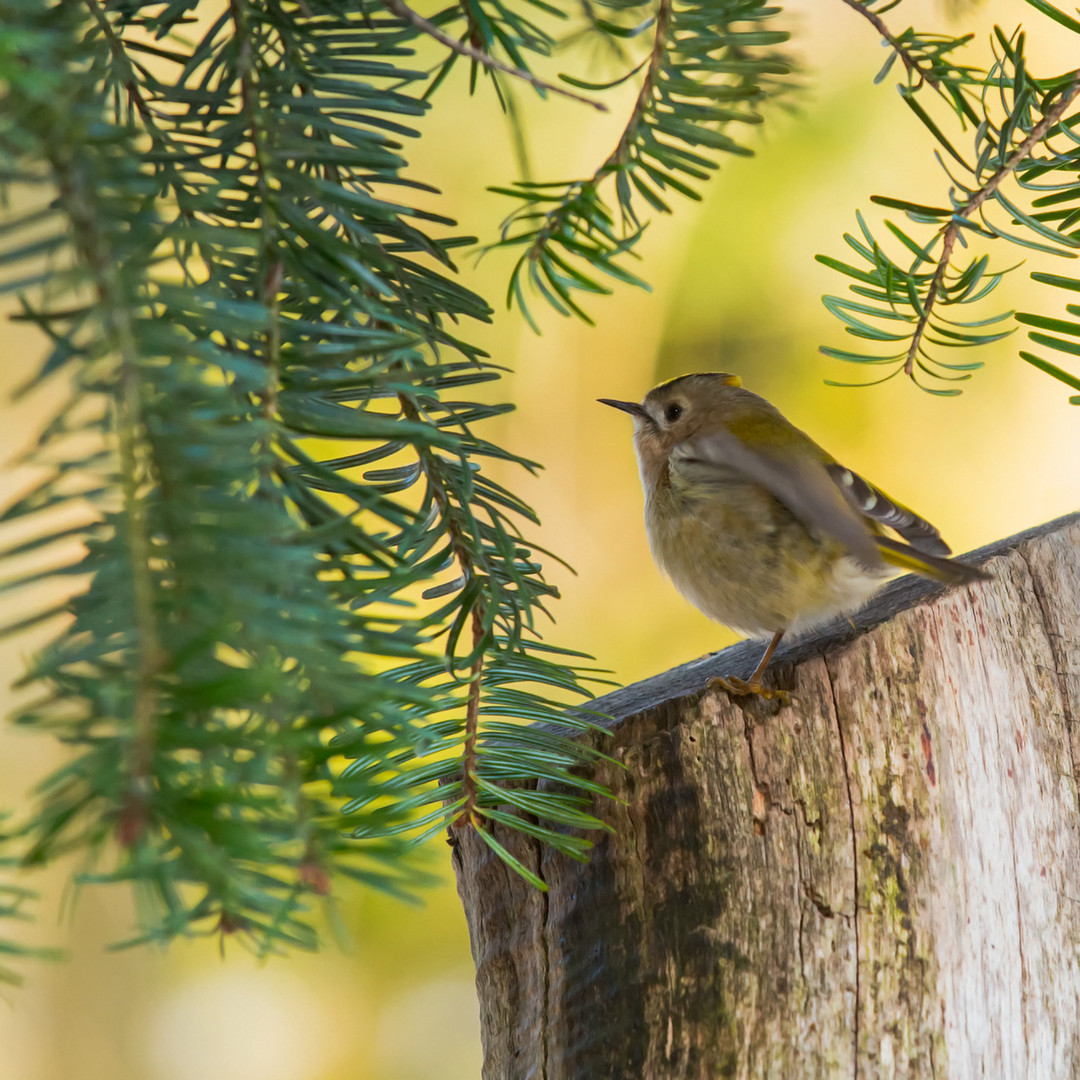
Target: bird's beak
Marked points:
632	407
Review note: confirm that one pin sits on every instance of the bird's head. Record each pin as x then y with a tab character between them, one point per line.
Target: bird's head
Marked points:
676	411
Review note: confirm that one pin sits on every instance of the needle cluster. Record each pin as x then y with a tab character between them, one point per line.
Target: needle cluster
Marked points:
1015	181
300	624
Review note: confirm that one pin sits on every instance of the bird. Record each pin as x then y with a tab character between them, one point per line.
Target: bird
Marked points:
758	526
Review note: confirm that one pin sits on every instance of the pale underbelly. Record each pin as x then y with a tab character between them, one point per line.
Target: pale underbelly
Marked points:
765	580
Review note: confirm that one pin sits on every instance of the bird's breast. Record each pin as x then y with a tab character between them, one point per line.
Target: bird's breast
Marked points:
742	558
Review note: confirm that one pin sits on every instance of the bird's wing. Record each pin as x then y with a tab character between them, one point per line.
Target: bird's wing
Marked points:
802	484
877	506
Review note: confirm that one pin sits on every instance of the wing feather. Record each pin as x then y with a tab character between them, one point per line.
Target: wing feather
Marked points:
800	482
873	503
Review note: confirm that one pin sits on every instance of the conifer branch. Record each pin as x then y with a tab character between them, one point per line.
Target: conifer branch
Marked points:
403	11
464	556
709	67
961	213
103	267
909	61
469	791
617	159
120	56
269	155
272	266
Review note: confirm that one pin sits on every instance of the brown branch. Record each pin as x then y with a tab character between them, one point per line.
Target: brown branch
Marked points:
906	58
136	98
468	813
273	268
403	11
617	158
952	230
429	463
130	81
116	319
119	53
950	235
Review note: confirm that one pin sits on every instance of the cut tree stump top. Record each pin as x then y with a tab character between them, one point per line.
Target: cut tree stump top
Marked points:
881	879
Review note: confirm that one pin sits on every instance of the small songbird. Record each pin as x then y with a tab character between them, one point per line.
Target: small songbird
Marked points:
757	525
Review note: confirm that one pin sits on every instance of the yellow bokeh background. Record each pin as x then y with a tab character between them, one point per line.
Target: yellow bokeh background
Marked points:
734	287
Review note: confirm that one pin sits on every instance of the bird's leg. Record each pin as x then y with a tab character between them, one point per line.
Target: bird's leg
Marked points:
741	687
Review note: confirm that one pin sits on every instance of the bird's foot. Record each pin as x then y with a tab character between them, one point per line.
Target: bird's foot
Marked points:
737	687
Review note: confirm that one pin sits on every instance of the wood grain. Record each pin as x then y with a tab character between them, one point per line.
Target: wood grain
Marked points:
881	879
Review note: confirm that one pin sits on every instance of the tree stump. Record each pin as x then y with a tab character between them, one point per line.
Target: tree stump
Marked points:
881	879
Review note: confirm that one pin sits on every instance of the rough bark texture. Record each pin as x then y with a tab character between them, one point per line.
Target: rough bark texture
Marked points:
881	879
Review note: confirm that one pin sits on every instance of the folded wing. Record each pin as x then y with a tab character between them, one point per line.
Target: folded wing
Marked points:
800	482
873	503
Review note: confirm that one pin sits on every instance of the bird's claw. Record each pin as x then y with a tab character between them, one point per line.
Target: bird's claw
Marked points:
737	687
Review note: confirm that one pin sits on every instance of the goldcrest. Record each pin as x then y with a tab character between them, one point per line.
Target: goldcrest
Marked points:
757	525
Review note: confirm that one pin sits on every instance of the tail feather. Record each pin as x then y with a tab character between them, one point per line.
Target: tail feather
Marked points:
950	571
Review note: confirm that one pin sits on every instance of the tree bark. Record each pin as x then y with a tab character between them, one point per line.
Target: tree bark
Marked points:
881	879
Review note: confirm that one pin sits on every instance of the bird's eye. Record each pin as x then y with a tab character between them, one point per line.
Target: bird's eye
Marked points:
673	412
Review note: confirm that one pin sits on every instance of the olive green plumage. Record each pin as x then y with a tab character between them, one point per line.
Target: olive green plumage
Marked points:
757	525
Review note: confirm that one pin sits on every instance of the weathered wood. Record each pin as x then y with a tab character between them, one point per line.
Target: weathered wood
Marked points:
880	880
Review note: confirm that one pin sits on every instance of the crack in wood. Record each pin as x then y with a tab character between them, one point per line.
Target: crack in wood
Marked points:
545	965
802	952
1052	640
1025	978
854	855
760	797
819	901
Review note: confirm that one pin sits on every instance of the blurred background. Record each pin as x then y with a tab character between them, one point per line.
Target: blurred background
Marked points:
734	288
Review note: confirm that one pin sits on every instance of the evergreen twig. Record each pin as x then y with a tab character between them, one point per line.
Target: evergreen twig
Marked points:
463	48
900	306
709	67
951	232
910	61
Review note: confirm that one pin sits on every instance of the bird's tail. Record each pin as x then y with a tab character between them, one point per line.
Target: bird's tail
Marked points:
950	571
